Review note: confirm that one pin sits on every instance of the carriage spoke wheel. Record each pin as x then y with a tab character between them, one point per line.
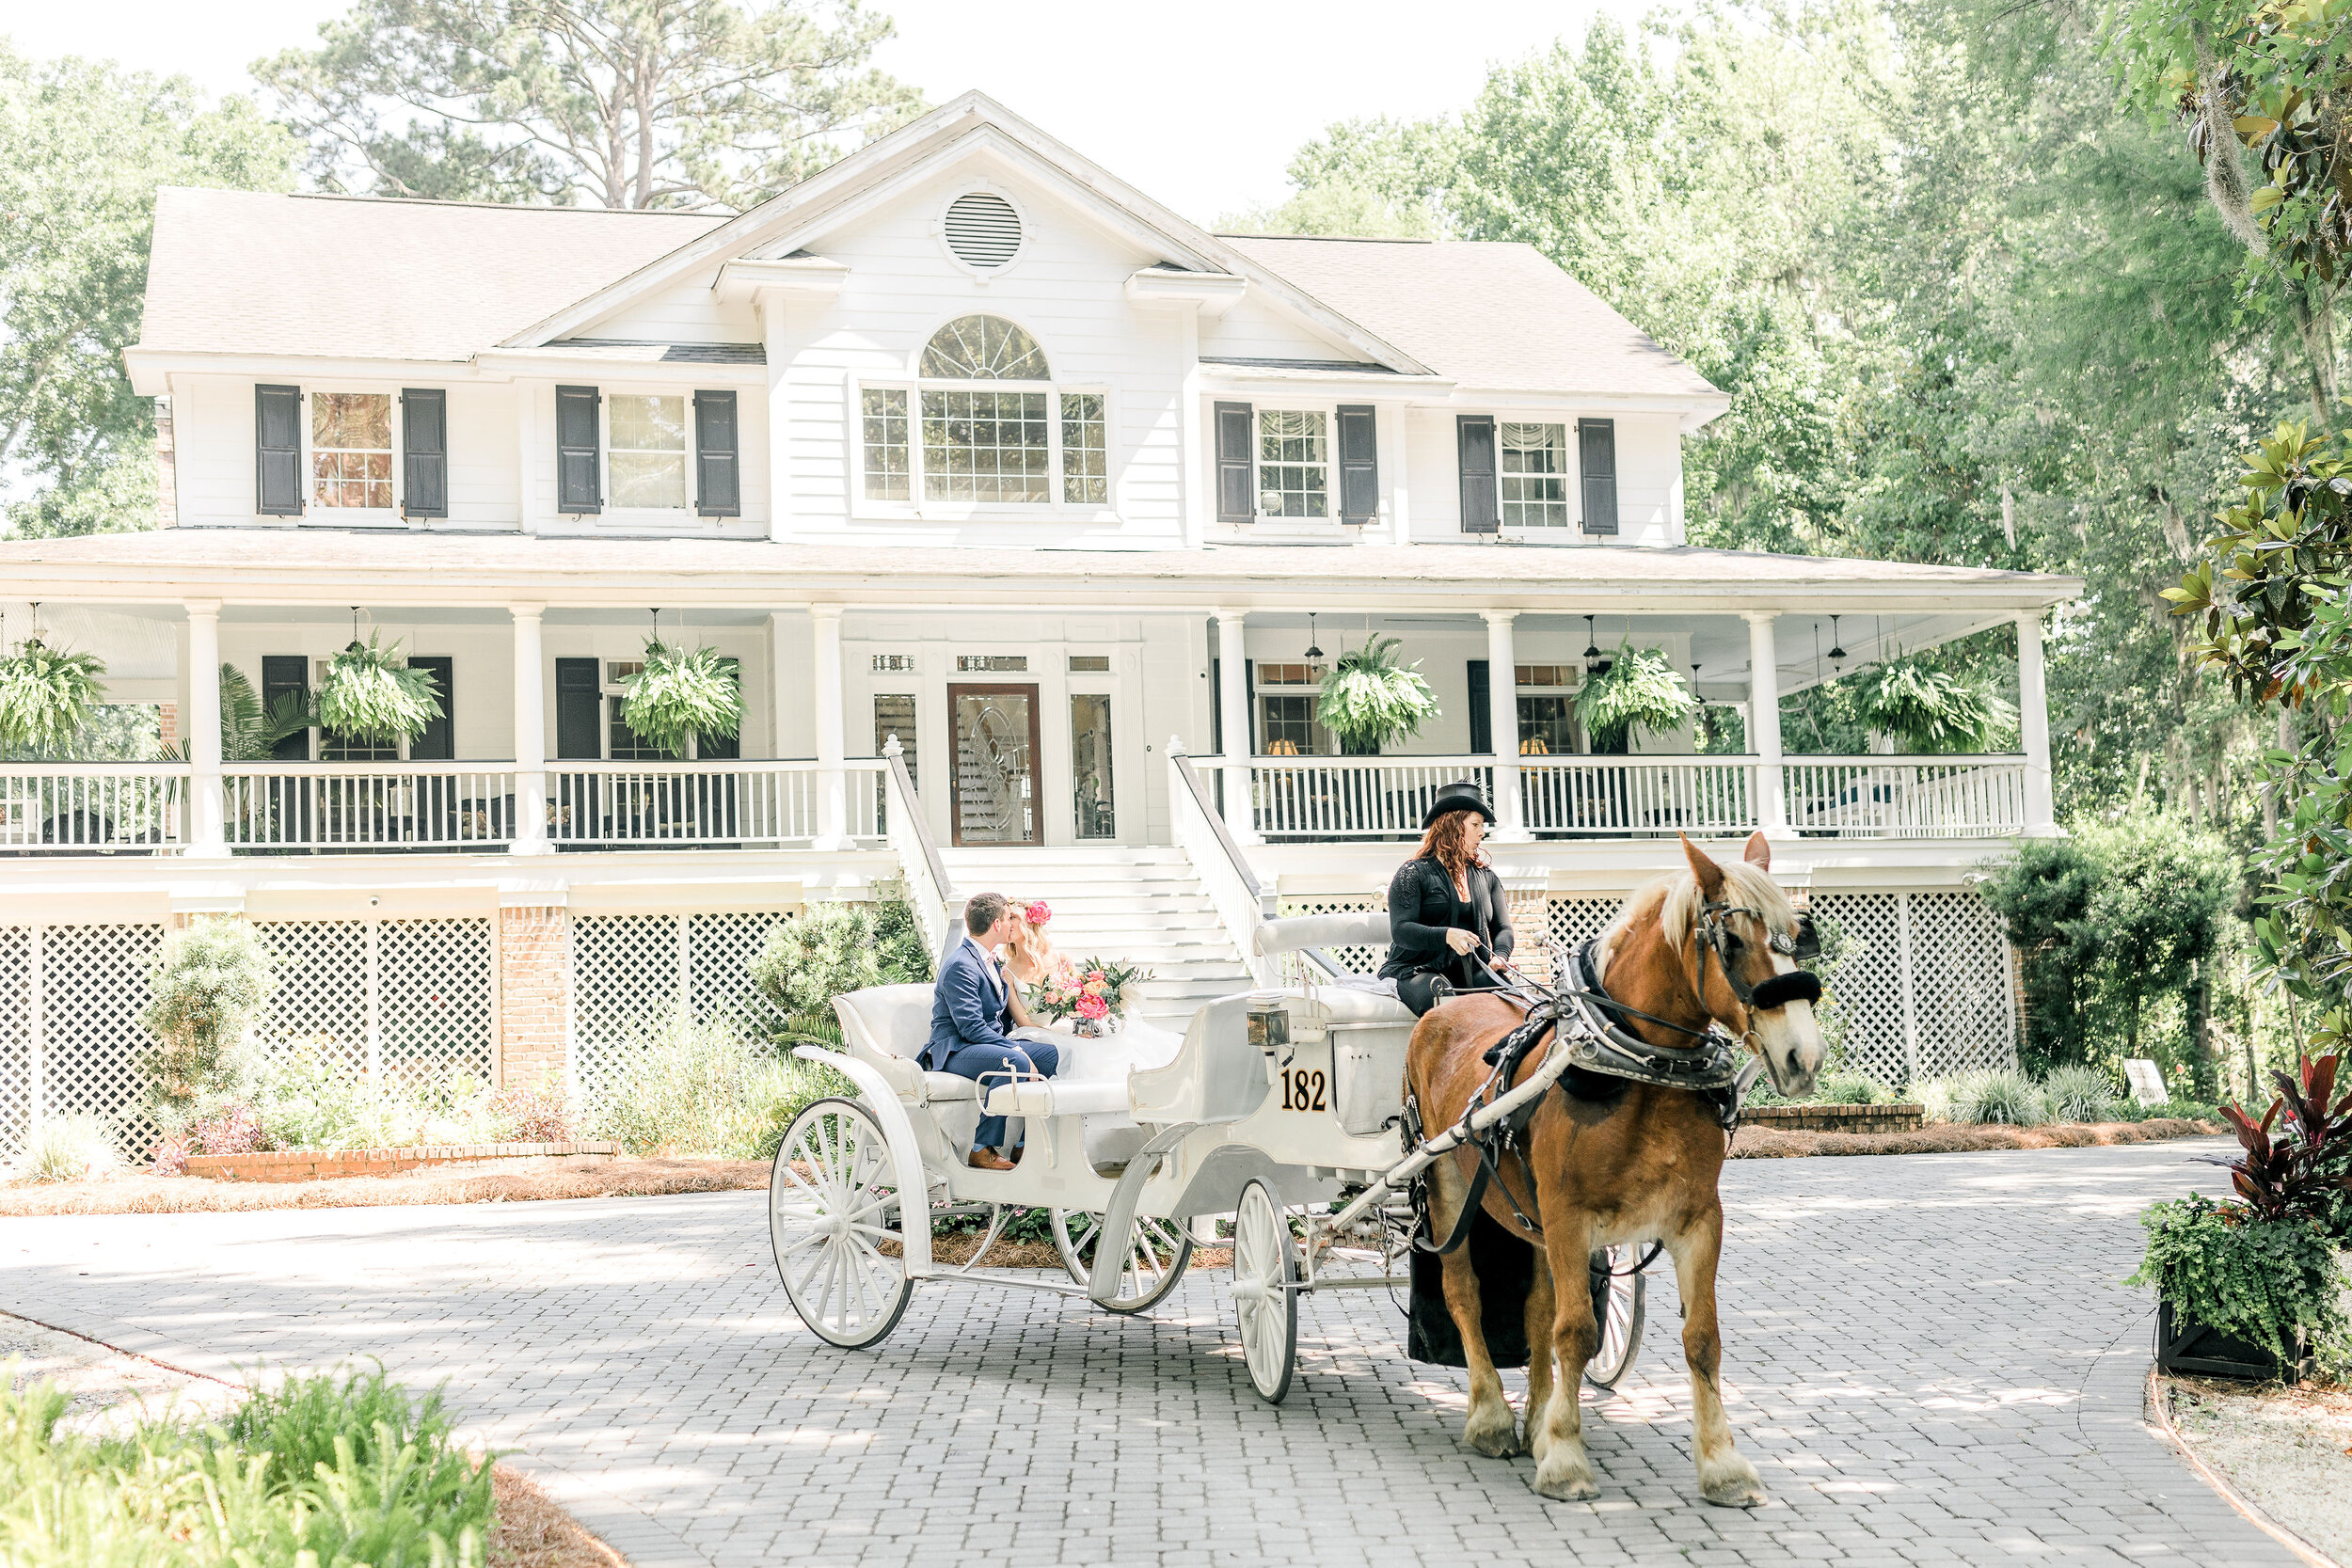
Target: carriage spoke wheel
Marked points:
1266	1275
1157	1251
833	1203
1617	1309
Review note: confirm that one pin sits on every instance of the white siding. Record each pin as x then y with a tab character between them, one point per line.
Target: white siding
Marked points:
689	314
1067	289
1253	329
1649	473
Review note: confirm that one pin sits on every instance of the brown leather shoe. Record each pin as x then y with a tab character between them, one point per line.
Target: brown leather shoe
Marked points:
987	1159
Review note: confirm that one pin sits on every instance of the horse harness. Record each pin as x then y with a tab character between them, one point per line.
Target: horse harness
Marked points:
1599	1042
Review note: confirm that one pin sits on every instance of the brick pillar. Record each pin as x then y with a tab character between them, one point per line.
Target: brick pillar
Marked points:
535	994
1531	927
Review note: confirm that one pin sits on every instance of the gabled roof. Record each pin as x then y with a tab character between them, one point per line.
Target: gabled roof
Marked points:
241	272
968	124
1487	316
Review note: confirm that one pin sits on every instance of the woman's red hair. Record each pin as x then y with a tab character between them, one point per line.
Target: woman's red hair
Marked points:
1446	841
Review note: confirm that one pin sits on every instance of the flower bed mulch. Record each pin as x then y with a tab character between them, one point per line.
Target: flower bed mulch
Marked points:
1762	1143
171	1195
306	1165
628	1178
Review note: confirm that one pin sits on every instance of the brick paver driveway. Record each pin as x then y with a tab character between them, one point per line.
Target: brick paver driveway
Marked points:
1928	1357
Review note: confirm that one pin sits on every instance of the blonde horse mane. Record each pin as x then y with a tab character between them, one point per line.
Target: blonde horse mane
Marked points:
1674	898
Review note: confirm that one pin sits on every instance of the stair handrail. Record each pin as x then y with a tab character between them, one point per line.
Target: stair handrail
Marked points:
927	888
1241	901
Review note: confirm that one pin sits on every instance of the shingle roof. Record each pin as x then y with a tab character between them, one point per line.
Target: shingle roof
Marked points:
240	272
265	562
1489	316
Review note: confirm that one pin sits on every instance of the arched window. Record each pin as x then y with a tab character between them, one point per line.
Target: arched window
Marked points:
992	427
983	348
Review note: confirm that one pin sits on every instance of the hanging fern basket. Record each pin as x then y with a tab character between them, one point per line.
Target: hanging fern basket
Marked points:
46	697
682	693
1640	690
1369	699
1930	709
371	695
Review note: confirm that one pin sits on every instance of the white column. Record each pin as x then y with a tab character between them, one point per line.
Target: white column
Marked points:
832	797
775	321
531	732
528	452
1771	801
1233	707
2033	719
207	803
1502	709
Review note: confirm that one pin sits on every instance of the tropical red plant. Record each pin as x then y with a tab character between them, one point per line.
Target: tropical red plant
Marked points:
2303	1169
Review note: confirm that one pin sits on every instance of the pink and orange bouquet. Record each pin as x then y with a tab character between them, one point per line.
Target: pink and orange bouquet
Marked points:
1092	990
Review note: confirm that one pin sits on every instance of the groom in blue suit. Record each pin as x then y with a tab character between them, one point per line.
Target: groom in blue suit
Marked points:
973	1011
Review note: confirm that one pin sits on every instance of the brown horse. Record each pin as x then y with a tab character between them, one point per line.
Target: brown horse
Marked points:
1641	1168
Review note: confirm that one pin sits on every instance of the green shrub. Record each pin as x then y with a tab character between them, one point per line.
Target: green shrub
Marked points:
67	1148
1848	1088
2002	1096
208	983
708	1090
327	1471
2078	1092
831	949
2258	1280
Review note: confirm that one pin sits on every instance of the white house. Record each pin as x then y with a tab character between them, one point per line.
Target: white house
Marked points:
962	442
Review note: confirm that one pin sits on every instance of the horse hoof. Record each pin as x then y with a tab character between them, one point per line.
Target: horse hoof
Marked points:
1567	1485
1734	1484
1499	1444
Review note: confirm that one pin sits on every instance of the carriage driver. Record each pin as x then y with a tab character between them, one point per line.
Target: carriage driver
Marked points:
1446	904
974	1009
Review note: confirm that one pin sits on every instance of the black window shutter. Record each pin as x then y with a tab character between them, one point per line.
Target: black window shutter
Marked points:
438	741
1597	459
718	471
1237	464
579	710
1249	700
278	452
424	453
578	486
1481	709
286	675
1475	439
1217	705
1360	464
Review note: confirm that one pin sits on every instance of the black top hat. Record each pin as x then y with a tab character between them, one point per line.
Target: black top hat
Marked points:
1459	796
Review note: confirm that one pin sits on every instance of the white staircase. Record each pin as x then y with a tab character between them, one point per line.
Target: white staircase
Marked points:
1142	906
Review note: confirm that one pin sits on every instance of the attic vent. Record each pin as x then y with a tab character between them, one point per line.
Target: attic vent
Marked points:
983	230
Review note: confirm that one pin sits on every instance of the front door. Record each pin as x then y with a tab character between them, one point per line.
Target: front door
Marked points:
994	784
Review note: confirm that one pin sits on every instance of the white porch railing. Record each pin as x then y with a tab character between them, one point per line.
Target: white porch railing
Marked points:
1629	796
1314	799
343	806
928	890
93	807
1243	903
1960	796
368	805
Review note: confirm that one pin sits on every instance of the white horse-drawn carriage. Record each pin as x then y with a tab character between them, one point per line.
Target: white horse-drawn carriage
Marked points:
1278	1108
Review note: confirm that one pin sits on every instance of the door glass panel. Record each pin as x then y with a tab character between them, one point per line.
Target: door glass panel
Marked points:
996	779
894	714
1091	764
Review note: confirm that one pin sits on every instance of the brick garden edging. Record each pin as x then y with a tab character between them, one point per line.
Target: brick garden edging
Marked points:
307	1164
1836	1119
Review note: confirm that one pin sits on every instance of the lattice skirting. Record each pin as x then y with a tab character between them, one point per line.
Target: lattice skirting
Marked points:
71	1041
1921	990
396	997
633	974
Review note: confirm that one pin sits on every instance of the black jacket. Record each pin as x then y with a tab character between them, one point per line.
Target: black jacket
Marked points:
1421	897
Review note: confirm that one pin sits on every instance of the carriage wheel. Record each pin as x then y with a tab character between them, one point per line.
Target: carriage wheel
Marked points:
1617	1309
832	1201
1157	1255
1265	1298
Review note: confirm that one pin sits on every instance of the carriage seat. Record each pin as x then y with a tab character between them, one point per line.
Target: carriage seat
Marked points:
887	1027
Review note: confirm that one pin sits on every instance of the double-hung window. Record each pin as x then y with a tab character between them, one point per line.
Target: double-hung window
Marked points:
983	424
646	462
1293	463
351	451
1534	475
1298	465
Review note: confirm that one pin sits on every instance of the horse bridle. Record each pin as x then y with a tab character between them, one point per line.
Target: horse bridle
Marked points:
1717	937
